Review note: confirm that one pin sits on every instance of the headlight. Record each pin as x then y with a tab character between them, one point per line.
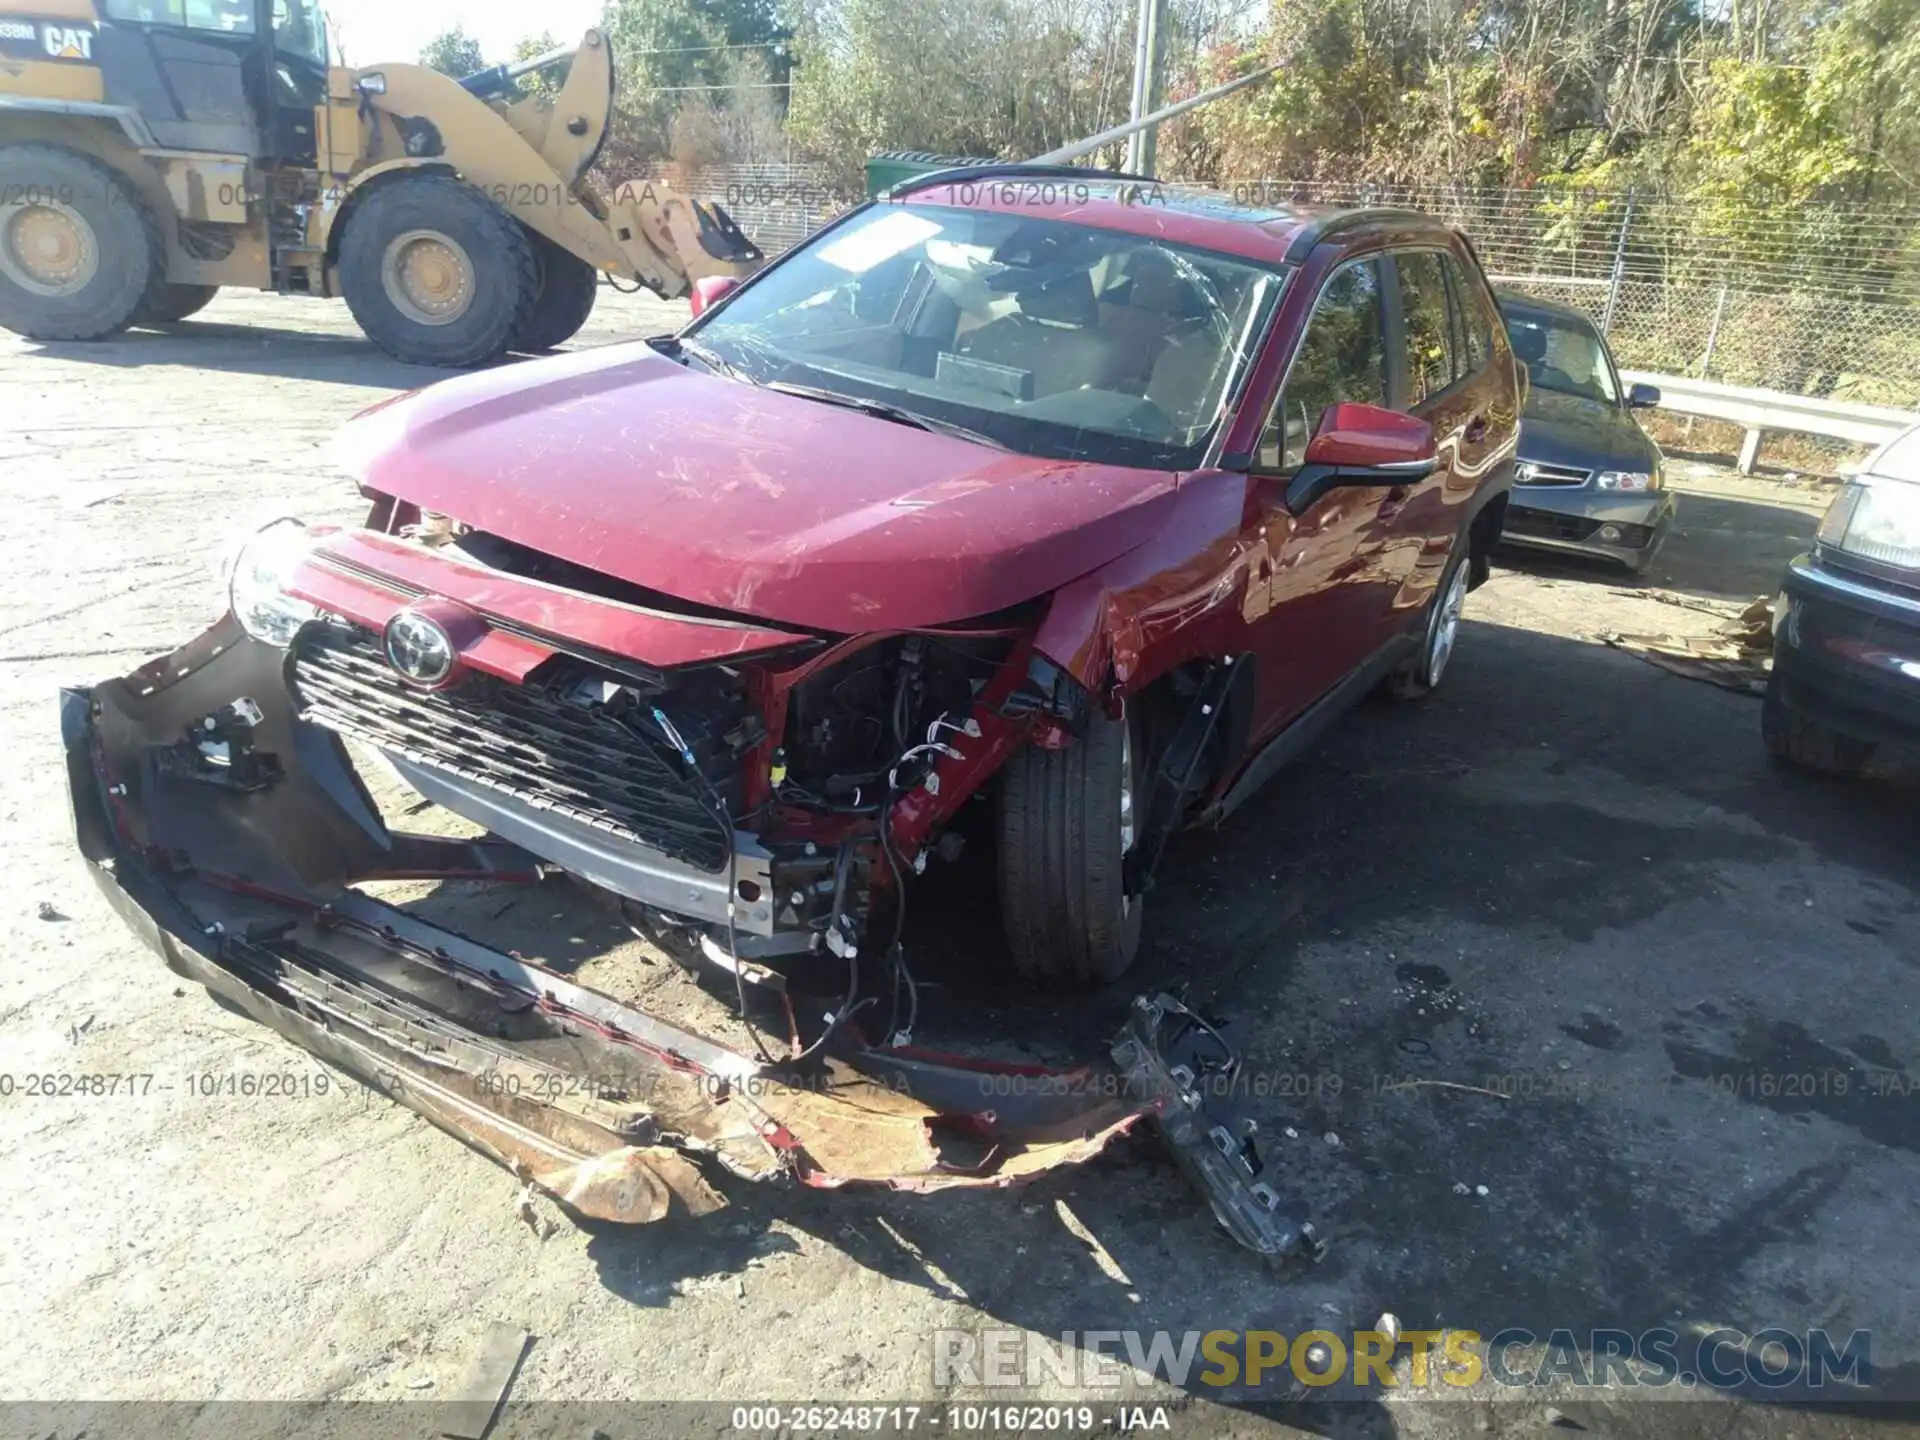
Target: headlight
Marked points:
1875	520
1628	480
257	576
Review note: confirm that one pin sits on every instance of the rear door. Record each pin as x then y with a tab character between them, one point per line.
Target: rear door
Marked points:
1443	353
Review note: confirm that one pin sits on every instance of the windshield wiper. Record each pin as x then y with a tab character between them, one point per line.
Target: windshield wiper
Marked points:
708	358
884	410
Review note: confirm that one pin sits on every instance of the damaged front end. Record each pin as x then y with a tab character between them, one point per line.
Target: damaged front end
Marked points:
734	804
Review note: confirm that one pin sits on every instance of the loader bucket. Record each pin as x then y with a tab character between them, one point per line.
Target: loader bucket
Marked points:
721	238
673	240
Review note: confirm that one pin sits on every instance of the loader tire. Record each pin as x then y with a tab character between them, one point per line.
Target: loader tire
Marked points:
435	272
1063	816
568	288
176	302
80	254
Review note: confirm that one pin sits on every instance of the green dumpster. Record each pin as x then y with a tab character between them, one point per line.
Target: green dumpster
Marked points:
893	167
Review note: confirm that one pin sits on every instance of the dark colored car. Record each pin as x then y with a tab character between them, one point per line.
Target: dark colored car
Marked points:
1589	480
1091	502
1846	654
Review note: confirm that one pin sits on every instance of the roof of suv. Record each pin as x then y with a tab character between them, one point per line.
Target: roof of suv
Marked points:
1275	233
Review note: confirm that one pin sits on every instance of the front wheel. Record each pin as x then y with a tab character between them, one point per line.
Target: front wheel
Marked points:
176	302
568	288
1422	674
435	272
1068	819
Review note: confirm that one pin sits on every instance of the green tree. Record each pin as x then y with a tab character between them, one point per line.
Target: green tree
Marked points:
971	77
675	54
545	83
453	52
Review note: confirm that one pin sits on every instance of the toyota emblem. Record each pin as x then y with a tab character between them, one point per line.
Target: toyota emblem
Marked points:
419	648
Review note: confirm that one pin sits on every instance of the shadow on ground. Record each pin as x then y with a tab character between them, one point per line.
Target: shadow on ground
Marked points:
251	350
1339	919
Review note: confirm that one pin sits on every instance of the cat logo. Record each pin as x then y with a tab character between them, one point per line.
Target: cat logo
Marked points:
67	42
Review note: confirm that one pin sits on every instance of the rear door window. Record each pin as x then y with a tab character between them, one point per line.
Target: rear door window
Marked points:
1475	328
1426	324
1342	357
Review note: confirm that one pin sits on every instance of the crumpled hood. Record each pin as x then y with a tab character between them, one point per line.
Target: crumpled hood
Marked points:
723	494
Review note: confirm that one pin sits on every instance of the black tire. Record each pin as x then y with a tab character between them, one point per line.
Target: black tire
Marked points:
129	256
176	302
501	270
1062	899
1793	738
1421	675
568	288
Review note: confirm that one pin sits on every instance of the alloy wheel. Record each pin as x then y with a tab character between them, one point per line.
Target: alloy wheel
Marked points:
1446	624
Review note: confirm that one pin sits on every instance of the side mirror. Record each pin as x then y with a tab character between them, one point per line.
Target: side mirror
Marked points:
1362	445
1642	397
710	290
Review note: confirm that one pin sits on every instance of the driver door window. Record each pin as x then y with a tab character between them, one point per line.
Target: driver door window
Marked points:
1342	357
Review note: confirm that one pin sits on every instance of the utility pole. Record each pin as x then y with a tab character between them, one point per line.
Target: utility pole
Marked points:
1146	88
1619	267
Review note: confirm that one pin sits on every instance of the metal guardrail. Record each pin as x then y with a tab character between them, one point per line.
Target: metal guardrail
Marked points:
1760	411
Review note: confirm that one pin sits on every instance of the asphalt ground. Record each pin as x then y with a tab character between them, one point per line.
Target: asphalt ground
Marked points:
1570	1014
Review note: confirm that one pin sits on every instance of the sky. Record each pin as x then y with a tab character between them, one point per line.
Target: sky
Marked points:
375	31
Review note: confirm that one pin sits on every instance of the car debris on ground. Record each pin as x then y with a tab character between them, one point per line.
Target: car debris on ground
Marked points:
489	1376
1737	656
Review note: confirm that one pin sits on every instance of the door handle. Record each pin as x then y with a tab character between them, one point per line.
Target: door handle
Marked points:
1477	429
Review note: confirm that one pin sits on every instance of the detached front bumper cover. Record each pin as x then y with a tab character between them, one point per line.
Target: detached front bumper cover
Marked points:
229	834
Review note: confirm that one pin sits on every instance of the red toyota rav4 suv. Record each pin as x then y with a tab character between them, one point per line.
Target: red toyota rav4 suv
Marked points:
1088	496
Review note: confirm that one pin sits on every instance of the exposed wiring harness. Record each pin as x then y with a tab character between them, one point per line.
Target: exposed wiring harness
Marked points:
673	737
848	1007
932	745
838	940
898	1034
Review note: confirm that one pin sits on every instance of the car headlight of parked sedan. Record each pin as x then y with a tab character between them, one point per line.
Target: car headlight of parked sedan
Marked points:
1628	481
256	573
1873	521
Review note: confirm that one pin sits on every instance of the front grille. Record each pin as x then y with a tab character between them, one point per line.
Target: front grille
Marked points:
524	740
1533	472
1548	524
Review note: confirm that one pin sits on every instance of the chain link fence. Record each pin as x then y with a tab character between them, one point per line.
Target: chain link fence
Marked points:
1822	301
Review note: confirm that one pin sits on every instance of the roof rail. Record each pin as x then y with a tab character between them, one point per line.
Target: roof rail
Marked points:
1013	170
1325	226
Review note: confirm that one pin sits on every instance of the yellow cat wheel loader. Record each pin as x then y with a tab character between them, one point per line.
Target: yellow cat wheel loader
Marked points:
152	151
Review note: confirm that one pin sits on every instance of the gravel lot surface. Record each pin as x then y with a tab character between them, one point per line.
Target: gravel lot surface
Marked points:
1571	878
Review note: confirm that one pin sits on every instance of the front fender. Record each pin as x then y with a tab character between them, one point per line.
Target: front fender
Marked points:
1178	596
